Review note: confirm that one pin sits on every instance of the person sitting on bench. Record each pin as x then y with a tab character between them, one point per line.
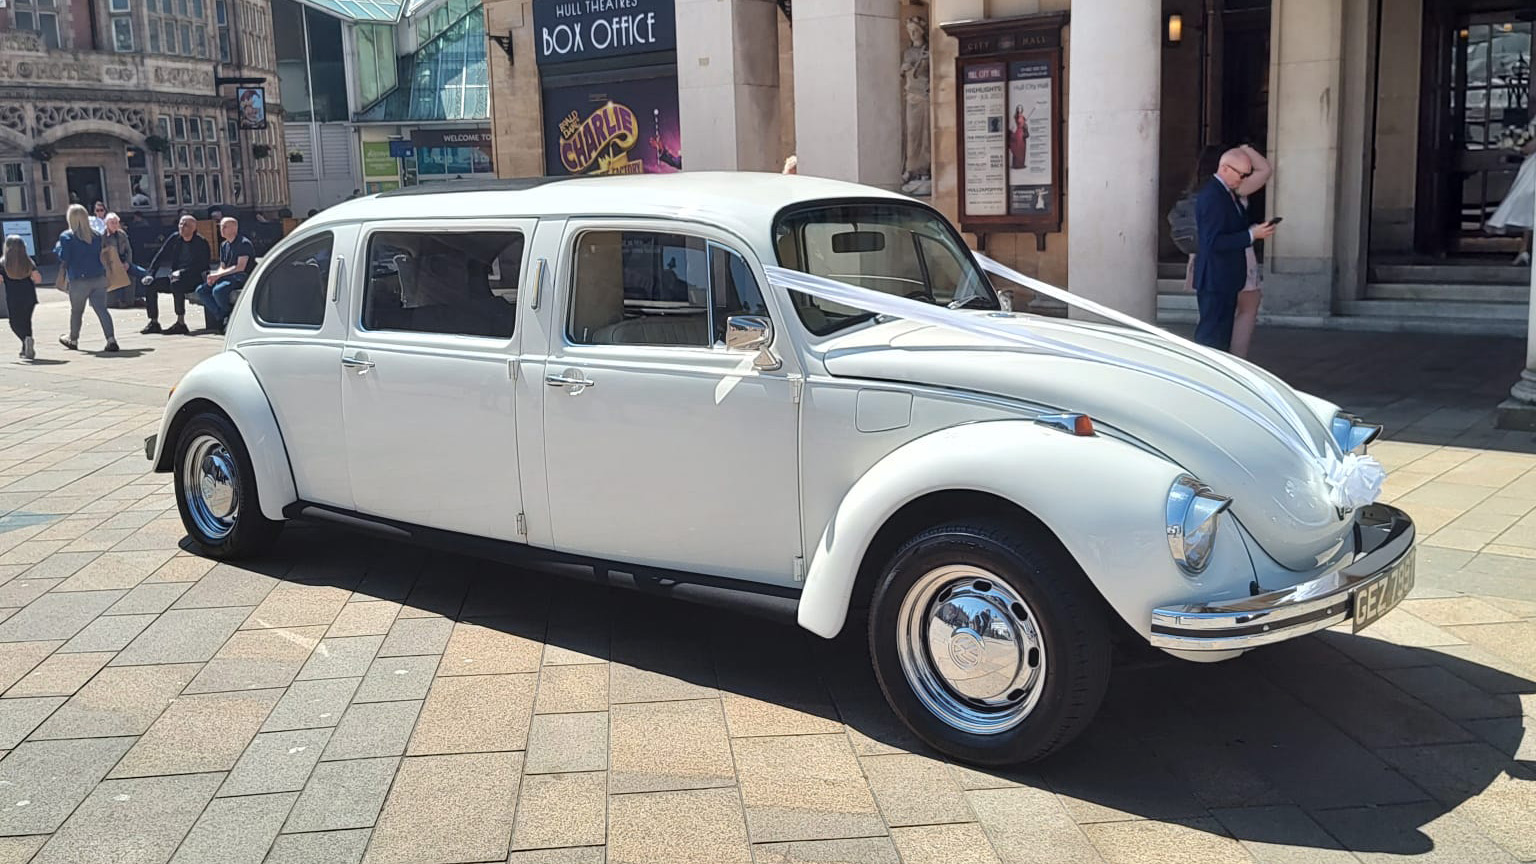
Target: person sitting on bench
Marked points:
235	256
187	254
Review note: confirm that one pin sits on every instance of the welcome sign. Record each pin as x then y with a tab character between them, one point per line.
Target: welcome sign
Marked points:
567	31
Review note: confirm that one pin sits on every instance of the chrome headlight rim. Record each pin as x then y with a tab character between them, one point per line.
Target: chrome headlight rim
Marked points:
1194	511
1352	434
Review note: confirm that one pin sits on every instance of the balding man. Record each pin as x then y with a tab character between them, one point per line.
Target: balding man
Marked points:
235	256
188	256
1225	232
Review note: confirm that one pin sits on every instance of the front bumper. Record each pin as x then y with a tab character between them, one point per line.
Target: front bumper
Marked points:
1384	537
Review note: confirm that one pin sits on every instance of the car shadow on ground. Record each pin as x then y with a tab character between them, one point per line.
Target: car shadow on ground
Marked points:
1328	742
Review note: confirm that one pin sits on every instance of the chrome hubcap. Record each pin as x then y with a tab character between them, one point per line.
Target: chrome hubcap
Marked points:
970	649
211	483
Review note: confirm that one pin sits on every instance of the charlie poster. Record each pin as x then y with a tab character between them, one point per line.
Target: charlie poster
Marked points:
1029	137
624	127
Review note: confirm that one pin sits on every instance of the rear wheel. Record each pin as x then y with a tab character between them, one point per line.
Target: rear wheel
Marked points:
216	490
988	642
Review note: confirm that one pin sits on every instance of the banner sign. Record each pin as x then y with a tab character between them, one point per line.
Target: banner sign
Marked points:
253	107
566	31
377	162
451	138
623	127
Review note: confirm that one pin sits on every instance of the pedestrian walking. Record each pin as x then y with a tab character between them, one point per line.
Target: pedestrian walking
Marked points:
235	256
1226	237
82	254
21	278
120	270
1246	316
186	252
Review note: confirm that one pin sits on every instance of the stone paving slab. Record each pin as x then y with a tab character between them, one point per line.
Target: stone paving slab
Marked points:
347	699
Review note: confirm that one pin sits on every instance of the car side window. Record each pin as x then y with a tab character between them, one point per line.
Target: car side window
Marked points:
656	288
454	282
734	289
293	288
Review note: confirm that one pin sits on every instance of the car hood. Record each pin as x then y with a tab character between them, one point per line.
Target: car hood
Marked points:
1279	496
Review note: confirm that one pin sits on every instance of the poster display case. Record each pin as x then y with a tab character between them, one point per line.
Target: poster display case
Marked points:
1009	122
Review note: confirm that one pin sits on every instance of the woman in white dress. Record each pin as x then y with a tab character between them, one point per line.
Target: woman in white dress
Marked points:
1518	211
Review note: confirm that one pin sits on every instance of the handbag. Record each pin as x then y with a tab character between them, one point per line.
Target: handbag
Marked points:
117	274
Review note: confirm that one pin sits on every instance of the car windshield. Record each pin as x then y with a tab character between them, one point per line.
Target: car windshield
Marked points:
895	248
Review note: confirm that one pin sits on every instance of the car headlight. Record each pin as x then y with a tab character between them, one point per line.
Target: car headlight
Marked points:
1350	433
1192	519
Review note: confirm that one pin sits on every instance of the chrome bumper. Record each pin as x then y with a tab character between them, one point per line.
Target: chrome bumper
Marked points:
1384	538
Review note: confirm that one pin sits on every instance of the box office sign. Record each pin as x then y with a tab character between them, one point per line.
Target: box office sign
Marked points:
1009	124
567	31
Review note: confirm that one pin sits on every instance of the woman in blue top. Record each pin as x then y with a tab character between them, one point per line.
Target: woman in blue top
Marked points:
80	251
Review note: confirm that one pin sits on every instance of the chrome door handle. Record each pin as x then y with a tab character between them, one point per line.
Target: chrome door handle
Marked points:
357	363
568	381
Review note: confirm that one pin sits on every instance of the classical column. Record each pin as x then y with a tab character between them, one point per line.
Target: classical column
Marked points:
1519	410
1307	103
848	102
728	84
1114	72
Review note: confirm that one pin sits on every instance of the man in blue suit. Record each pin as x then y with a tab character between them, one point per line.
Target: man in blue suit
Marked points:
1225	233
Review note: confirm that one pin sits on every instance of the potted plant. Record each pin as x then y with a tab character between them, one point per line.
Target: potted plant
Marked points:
260	151
157	144
42	152
295	156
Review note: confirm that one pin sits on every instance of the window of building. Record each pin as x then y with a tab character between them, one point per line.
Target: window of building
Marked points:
122	33
376	65
218	186
169	187
180	125
201	183
460	282
182	24
213	156
293	288
39	16
210	130
183	156
140	181
13	187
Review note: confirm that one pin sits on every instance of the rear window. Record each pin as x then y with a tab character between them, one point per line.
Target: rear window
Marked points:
899	249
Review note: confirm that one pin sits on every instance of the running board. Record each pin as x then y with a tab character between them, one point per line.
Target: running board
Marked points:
775	602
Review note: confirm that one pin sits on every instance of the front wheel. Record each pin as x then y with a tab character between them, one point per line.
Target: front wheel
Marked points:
989	642
216	490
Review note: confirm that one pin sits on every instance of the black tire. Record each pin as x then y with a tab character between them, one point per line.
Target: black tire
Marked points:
1067	615
248	533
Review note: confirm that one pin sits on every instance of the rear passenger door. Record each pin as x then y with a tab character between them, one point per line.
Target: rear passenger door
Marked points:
427	375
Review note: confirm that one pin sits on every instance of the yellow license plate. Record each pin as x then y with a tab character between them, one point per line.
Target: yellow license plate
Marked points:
1381	596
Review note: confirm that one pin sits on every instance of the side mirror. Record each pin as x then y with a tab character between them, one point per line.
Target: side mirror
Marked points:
752	333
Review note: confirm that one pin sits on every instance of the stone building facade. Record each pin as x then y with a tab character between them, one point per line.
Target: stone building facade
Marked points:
115	100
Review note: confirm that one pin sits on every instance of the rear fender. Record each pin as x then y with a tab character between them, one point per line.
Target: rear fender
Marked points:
226	383
1103	499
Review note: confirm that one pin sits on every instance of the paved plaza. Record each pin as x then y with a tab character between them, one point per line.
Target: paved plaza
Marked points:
348	699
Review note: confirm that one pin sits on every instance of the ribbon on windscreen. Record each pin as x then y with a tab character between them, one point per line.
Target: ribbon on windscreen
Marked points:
1353	481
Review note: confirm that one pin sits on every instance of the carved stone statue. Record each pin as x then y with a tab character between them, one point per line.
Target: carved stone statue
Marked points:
918	172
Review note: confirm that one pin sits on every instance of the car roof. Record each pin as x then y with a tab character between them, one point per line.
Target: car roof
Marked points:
742	201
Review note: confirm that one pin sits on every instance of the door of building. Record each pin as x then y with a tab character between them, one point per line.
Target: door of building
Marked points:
1480	71
85	186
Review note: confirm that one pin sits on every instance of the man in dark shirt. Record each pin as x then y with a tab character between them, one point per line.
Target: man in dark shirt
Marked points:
187	254
235	256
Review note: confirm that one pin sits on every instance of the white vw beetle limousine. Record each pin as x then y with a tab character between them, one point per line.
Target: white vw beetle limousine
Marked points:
625	373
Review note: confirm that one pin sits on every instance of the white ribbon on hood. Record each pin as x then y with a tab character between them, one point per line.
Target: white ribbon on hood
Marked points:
1353	481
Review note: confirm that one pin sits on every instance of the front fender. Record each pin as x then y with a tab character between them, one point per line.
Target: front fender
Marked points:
228	382
1104	499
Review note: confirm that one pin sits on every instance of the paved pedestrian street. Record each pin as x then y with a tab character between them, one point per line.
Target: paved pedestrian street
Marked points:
348	699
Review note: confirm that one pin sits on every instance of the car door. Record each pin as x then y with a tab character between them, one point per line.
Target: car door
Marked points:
662	447
427	381
293	339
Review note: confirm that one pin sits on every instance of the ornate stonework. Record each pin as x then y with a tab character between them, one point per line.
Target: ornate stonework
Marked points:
13	117
48	116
